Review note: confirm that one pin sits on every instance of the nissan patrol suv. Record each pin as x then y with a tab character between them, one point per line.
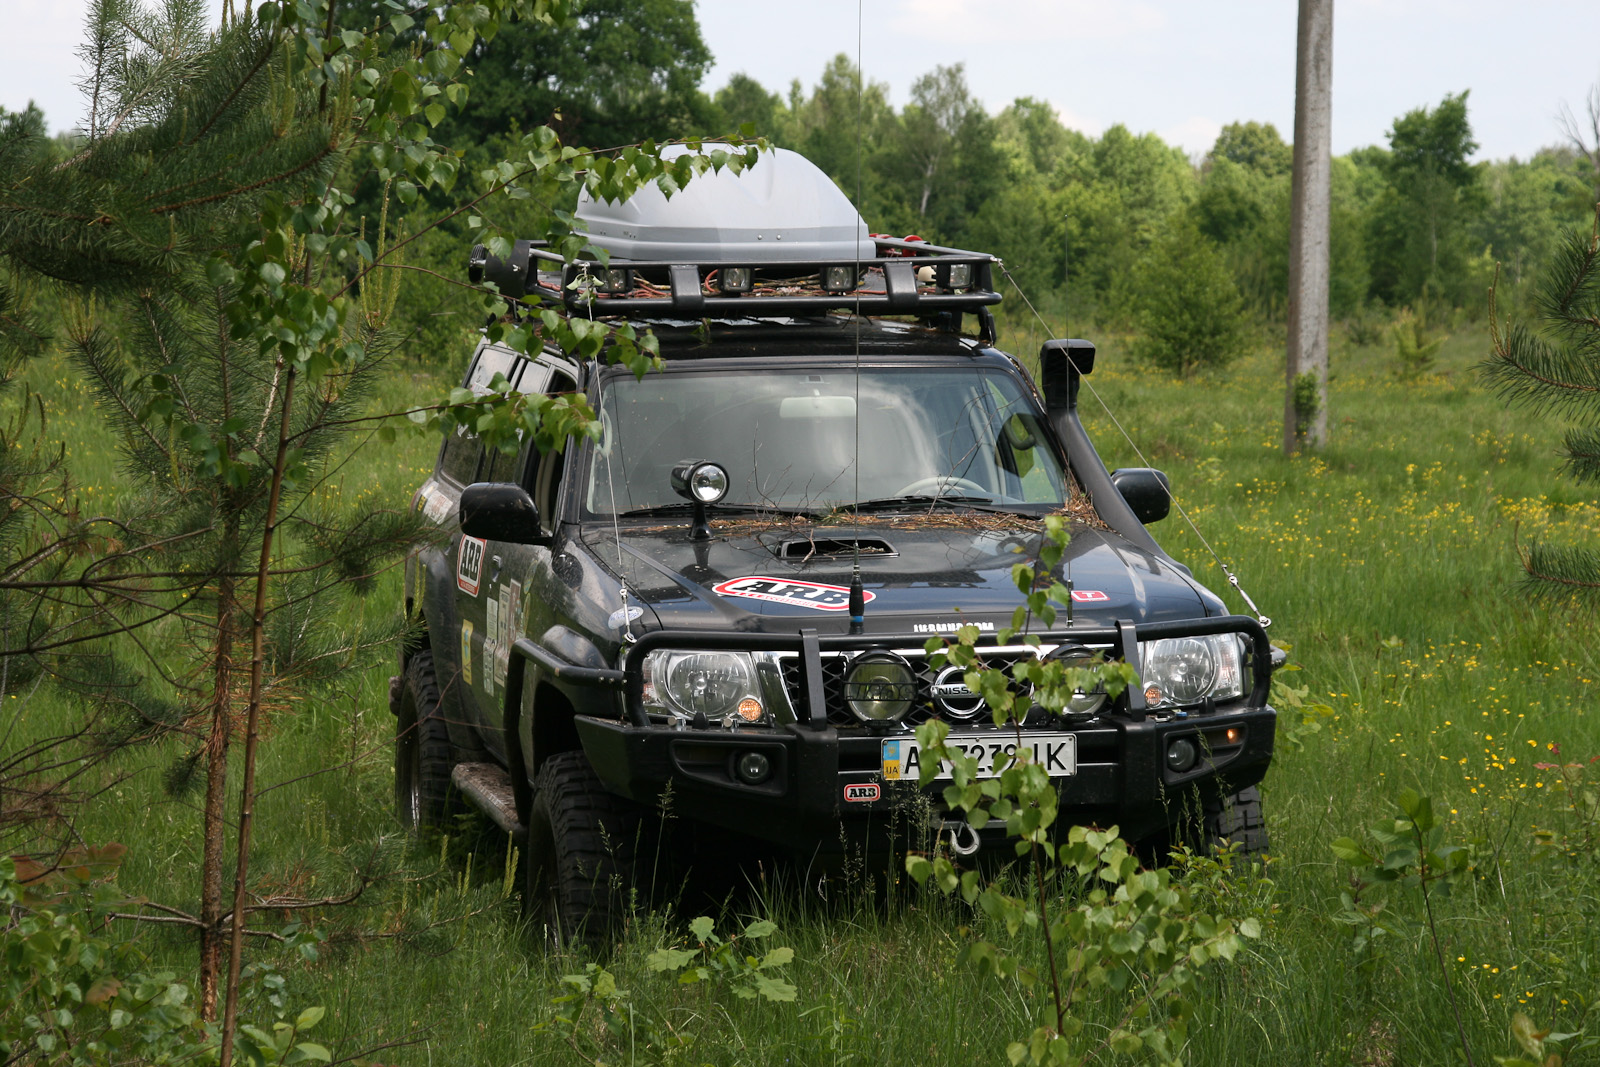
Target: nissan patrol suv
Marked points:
723	602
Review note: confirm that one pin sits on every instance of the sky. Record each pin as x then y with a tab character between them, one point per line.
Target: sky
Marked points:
1179	68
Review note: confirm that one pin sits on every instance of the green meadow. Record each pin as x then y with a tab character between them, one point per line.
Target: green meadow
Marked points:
1388	562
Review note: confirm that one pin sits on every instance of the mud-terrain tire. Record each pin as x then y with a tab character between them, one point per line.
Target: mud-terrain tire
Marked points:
579	874
423	755
1235	820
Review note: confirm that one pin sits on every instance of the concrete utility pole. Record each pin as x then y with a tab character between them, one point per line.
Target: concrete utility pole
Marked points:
1305	423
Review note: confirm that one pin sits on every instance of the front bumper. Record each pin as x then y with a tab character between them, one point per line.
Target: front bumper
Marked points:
826	789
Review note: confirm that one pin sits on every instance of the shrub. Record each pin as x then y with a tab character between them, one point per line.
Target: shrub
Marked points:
1186	304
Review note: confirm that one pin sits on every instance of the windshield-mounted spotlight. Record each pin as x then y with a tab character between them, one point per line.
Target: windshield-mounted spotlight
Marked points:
700	482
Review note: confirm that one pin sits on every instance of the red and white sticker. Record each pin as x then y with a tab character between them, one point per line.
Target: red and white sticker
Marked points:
1085	595
861	791
469	564
791	591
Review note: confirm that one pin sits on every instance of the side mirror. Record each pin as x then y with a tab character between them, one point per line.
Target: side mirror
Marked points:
1146	490
500	511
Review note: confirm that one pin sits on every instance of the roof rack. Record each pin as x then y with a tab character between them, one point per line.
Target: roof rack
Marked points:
904	277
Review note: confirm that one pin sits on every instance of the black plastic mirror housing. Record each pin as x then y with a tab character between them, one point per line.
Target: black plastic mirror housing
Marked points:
500	511
1146	490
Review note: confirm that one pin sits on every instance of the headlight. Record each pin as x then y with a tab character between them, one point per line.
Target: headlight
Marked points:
1187	670
879	687
723	686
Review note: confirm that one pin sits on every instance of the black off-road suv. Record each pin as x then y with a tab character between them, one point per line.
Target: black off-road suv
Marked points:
670	611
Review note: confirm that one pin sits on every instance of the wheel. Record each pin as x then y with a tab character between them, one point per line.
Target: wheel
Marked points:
423	755
1210	825
941	484
1235	820
578	876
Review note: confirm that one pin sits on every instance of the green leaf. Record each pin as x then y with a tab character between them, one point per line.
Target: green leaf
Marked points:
701	927
775	989
670	959
760	928
309	1017
1349	850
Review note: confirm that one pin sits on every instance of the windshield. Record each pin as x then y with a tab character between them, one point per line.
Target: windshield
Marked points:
788	439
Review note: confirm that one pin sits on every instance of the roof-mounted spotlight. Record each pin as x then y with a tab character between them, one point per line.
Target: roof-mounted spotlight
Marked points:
701	483
840	278
953	276
734	279
615	280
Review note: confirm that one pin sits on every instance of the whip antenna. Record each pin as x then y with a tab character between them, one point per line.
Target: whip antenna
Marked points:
858	598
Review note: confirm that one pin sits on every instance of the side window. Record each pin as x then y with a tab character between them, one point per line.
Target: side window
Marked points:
547	470
460	460
504	466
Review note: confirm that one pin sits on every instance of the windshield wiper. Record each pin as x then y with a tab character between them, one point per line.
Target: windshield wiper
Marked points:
682	506
918	501
889	503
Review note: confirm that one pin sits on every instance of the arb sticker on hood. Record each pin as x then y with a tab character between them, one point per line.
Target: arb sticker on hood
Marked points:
795	593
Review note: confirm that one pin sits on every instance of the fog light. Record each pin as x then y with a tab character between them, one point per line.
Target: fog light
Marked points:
1235	735
838	279
616	280
753	768
1182	755
750	709
734	279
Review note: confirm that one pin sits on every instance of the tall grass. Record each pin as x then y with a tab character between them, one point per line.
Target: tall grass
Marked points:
1387	561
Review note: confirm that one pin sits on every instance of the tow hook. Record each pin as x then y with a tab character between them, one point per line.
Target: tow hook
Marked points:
395	687
963	838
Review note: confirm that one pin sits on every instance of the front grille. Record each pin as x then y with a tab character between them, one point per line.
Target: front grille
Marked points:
923	707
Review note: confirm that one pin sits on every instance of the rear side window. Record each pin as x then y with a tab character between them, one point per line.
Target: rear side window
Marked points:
492	360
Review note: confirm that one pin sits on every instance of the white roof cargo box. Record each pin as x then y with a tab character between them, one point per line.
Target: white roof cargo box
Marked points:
783	209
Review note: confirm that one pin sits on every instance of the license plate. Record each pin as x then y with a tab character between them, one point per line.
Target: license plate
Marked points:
1056	753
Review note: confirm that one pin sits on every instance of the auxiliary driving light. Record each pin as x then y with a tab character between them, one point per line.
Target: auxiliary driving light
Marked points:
753	768
734	279
616	280
700	482
838	279
954	275
879	687
1182	755
749	709
1080	705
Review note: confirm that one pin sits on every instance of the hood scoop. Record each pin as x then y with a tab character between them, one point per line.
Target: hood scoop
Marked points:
801	549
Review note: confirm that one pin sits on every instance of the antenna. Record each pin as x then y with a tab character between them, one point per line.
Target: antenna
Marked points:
858	599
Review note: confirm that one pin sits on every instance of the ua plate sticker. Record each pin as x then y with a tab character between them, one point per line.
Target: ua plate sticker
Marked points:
791	592
466	651
861	791
469	564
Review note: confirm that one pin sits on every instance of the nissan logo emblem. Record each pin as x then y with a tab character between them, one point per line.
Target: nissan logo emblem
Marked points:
953	697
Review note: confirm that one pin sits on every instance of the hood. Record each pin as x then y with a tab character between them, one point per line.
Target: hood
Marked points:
918	580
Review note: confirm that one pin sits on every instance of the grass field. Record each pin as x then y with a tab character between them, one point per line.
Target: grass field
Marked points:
1387	561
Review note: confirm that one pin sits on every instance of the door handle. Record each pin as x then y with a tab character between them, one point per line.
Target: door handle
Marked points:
494	575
